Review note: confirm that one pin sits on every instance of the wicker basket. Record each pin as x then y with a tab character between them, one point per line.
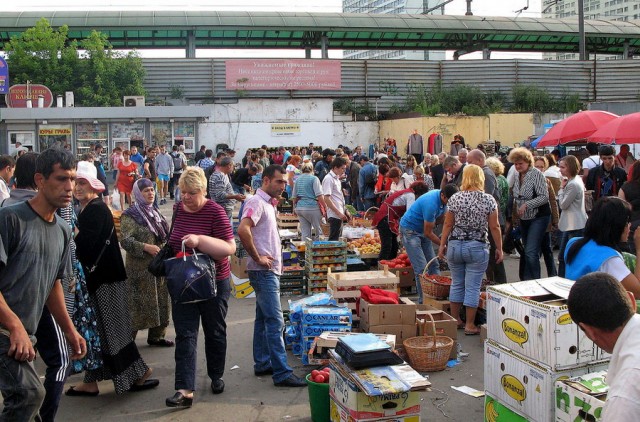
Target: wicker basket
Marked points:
428	354
431	287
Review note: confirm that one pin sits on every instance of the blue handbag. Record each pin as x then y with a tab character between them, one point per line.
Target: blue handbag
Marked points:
191	278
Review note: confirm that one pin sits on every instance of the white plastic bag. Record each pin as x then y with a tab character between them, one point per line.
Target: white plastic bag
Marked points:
115	200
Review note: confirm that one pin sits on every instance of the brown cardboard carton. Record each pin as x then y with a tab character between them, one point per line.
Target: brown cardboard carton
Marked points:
442	305
401	331
400	314
239	266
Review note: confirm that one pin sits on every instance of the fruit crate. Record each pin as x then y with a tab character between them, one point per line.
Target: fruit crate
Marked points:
347	285
292	283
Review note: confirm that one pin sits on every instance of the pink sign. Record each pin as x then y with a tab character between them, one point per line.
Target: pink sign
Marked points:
279	74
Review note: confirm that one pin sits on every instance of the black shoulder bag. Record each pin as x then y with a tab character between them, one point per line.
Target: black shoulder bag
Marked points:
104	247
156	266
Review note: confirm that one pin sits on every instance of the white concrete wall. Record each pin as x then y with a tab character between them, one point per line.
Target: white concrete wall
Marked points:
247	124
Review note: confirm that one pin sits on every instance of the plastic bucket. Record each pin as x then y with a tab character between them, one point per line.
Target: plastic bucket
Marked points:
318	400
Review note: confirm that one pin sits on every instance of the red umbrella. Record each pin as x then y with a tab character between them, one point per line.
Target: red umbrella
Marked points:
623	130
575	127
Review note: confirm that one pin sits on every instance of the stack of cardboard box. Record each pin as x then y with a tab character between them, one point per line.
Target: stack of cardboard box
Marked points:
399	319
319	257
531	343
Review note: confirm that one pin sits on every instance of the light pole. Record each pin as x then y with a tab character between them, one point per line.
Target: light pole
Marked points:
581	36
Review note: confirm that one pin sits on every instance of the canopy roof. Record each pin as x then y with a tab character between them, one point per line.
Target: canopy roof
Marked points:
348	31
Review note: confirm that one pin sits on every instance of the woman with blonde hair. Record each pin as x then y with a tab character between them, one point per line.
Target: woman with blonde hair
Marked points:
202	225
571	201
471	213
411	165
542	164
292	172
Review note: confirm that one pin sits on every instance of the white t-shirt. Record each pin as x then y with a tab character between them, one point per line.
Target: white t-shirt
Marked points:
4	190
623	376
553	171
332	187
616	267
591	162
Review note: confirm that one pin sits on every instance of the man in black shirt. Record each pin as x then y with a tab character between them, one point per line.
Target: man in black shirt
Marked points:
200	154
241	179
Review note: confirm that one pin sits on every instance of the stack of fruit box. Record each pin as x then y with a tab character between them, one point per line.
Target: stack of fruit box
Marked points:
321	255
531	343
314	321
287	221
292	281
345	287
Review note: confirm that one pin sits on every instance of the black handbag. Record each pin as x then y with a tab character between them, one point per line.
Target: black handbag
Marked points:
156	266
191	278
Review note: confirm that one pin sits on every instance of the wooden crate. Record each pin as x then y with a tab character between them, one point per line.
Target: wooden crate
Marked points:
346	285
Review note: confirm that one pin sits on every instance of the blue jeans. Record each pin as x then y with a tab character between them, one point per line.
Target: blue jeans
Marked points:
268	344
468	260
420	251
564	238
547	254
186	320
533	232
22	390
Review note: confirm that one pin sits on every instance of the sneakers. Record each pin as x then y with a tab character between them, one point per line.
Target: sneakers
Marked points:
163	201
292	381
515	254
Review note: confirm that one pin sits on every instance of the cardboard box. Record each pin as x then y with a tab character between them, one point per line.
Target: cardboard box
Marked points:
241	288
523	384
483	332
360	406
326	315
402	332
400	314
581	398
239	266
529	318
496	411
440	304
341	414
329	339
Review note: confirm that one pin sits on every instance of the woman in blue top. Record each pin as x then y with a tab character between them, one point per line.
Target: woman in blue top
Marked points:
598	250
307	192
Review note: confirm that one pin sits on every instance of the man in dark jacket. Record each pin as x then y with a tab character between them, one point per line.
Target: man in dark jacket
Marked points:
606	179
354	173
322	167
437	171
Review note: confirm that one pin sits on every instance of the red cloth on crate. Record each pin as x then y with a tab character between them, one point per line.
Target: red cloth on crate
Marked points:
377	296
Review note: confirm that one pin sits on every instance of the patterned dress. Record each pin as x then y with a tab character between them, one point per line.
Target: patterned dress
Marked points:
148	295
80	306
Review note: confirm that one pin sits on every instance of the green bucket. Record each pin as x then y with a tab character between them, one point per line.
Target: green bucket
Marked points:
318	400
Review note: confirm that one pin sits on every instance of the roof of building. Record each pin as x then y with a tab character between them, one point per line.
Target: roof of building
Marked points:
349	31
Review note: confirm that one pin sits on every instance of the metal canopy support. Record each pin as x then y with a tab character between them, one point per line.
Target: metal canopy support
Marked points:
625	54
324	46
486	53
307	53
191	45
582	44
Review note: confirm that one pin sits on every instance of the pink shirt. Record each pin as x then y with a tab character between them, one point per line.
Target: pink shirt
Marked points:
261	209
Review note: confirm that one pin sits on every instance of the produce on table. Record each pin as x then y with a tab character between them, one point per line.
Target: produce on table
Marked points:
365	245
401	261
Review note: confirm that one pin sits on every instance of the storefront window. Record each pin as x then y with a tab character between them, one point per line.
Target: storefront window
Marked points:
54	135
26	139
184	134
161	134
125	135
89	134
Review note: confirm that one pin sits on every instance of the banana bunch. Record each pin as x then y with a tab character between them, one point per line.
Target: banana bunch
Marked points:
490	412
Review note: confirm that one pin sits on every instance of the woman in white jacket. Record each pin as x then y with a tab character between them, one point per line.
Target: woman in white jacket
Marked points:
573	216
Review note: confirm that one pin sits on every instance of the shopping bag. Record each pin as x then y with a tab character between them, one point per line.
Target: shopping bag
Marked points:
191	278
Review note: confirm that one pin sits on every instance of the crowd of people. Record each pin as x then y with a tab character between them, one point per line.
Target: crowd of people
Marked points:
86	303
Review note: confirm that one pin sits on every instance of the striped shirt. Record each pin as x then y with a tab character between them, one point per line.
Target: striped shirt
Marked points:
219	188
210	220
532	190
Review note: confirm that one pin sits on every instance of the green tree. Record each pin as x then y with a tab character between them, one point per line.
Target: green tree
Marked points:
97	75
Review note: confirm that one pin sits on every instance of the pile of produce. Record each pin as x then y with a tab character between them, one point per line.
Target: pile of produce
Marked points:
320	376
365	245
401	261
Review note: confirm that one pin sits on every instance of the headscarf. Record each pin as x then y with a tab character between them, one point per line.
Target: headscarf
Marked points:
147	214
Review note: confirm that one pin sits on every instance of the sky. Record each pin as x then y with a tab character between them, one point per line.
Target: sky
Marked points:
456	7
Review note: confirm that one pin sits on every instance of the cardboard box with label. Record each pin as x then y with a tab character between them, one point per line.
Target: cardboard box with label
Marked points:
403	313
241	288
239	266
361	407
581	398
341	414
523	384
496	411
531	318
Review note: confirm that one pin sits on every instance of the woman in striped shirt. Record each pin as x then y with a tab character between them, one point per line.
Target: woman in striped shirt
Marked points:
531	203
204	226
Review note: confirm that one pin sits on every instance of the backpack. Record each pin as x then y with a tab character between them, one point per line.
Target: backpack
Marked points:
207	173
178	162
371	178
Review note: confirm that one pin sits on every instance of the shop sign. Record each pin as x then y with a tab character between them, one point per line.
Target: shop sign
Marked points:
17	96
284	74
4	76
285	129
54	131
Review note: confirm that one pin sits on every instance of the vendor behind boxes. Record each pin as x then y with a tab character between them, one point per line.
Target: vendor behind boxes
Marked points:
607	227
604	311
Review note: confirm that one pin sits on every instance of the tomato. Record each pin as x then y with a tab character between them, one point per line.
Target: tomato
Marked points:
319	378
392	265
405	273
403	256
314	373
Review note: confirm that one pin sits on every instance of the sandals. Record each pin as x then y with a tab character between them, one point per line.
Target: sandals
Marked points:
472	333
161	343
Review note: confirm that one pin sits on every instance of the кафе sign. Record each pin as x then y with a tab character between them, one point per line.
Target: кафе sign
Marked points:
17	96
